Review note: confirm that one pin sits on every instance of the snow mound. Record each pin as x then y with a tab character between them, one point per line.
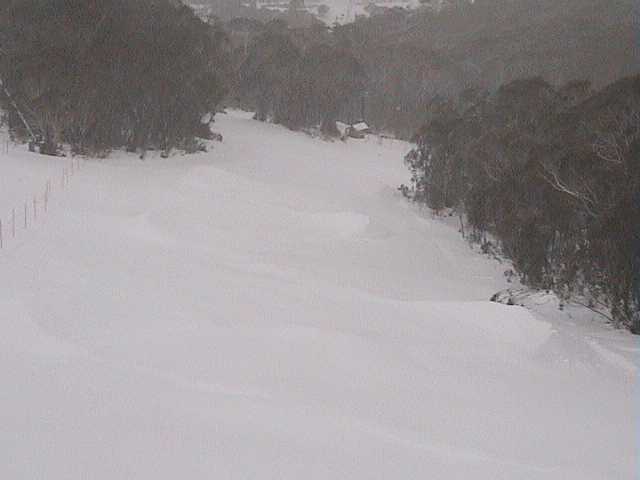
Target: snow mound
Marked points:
341	224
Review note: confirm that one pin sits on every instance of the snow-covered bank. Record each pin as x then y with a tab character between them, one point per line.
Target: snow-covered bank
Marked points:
274	309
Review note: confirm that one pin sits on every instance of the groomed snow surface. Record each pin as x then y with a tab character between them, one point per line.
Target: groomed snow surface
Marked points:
274	309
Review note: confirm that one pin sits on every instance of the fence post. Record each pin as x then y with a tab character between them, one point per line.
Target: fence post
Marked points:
64	180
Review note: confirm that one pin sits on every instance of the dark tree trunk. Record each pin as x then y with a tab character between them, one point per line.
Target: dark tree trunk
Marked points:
635	304
328	126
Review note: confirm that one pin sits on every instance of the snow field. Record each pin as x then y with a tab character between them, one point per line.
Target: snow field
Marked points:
275	309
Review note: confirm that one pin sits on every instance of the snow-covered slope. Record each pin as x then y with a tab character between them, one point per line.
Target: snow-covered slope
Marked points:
273	309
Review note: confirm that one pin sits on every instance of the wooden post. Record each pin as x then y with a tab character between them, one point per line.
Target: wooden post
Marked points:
35	208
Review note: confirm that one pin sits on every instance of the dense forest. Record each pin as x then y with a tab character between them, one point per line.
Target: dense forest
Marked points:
411	57
110	73
299	85
385	69
552	174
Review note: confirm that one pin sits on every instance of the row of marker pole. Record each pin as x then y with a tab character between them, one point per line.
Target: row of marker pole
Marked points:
67	172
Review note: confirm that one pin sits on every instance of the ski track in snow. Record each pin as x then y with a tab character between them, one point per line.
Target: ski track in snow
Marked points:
275	309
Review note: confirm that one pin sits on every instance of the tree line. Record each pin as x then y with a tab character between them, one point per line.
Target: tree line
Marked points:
104	74
60	59
550	174
407	58
300	81
412	56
